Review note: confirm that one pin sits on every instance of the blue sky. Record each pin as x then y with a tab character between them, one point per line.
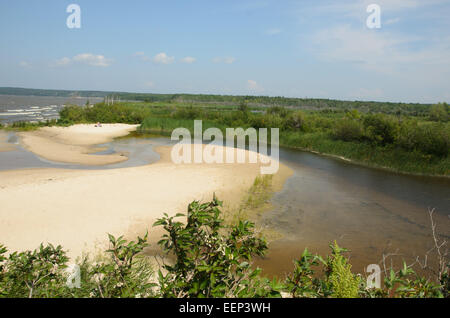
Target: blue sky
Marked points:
319	49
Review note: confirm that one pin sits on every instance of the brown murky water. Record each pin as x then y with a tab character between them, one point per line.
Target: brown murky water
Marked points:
369	211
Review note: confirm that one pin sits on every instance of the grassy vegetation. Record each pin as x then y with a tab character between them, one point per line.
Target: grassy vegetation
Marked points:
255	201
28	126
403	143
212	259
412	109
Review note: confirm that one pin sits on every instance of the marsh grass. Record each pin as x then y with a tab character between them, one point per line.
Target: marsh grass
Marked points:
387	157
28	126
254	203
400	143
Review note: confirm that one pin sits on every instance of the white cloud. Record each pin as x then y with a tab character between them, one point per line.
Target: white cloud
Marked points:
142	56
407	59
91	59
226	60
358	8
85	58
163	58
368	49
24	64
188	60
273	31
254	86
149	84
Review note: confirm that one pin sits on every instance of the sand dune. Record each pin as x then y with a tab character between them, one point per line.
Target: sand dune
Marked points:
77	208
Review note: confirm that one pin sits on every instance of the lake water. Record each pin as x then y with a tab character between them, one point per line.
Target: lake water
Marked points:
36	108
369	211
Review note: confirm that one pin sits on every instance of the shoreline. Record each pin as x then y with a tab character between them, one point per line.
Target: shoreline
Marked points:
330	155
4	145
75	144
116	159
77	208
370	165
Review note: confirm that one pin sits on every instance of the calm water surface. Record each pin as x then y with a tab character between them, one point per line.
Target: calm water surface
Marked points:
368	211
371	212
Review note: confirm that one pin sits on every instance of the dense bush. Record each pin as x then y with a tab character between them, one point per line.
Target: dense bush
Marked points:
38	273
115	113
440	112
72	114
296	120
277	110
348	130
380	129
433	139
338	280
188	113
212	260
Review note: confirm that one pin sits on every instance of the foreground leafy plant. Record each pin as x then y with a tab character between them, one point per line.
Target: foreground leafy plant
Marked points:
212	260
125	273
38	273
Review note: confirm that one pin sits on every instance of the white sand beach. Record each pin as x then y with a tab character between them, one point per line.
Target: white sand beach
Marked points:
77	208
74	144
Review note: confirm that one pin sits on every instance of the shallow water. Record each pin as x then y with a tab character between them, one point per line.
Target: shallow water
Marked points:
139	152
369	211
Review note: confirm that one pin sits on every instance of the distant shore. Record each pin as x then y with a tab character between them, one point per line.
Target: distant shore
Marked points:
77	208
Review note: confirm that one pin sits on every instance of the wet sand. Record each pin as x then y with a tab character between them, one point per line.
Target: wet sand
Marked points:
77	208
4	145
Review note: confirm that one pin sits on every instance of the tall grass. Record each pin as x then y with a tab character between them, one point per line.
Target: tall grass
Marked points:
255	200
402	144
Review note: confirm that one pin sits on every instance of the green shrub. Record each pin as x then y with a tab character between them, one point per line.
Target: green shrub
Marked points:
212	260
431	138
343	283
124	273
277	110
38	273
188	113
348	130
72	114
300	283
295	120
380	129
440	112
